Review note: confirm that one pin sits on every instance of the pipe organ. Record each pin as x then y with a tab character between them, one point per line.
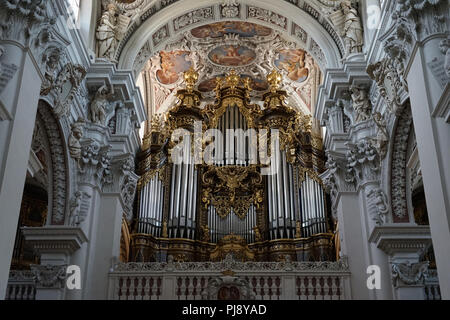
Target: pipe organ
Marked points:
231	177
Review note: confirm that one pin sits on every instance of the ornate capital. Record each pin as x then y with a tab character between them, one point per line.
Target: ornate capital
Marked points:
362	162
23	20
95	163
425	17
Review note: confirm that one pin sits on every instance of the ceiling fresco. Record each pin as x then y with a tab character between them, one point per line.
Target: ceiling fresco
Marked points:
219	29
213	50
293	62
232	56
172	65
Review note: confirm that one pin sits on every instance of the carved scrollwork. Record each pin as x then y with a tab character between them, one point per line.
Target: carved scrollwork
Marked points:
64	87
232	188
390	83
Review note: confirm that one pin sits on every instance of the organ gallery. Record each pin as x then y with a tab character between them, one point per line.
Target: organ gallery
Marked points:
224	150
258	198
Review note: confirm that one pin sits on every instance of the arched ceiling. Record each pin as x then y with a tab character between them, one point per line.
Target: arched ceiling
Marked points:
213	50
164	37
154	23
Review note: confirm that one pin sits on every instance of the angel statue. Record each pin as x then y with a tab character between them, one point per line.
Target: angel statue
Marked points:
75	202
100	105
361	103
382	138
107	34
352	31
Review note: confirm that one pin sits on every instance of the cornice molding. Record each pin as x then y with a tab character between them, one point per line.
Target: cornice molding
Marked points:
54	239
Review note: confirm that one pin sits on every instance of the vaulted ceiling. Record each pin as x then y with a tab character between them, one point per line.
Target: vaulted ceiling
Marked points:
213	50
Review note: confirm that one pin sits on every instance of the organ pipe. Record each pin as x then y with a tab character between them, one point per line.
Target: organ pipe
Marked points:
287	200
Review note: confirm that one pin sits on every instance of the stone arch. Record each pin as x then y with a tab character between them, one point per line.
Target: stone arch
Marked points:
398	185
318	37
57	179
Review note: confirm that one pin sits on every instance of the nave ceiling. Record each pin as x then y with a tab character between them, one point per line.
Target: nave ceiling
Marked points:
165	38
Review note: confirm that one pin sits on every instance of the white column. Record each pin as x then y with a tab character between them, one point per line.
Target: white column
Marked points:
432	135
105	246
350	233
20	99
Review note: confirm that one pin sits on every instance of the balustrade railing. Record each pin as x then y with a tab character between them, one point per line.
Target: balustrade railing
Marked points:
432	289
21	286
252	280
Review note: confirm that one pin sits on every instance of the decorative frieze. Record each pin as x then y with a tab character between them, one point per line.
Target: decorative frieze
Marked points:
396	239
160	35
317	53
267	16
229	263
193	17
54	239
299	33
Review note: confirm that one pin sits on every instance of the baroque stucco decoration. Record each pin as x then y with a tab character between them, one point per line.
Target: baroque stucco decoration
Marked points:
398	166
49	276
79	205
100	105
111	30
58	175
228	287
76	134
28	23
212	53
408	274
346	19
140	13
